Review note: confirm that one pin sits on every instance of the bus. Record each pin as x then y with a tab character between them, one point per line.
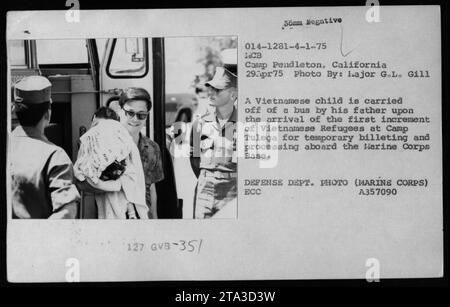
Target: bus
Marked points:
89	73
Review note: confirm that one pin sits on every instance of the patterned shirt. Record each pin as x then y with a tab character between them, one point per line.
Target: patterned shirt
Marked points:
215	144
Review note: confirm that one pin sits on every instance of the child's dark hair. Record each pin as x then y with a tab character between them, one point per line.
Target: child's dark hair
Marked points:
106	113
113	171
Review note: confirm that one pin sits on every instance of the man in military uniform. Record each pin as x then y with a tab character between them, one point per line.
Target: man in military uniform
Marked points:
41	172
213	150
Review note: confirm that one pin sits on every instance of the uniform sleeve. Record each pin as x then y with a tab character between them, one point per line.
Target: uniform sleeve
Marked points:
60	182
156	170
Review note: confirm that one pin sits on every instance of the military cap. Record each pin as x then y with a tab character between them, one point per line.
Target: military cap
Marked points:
229	59
32	90
222	79
226	75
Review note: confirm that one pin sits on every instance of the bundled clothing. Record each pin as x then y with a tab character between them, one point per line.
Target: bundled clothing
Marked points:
105	144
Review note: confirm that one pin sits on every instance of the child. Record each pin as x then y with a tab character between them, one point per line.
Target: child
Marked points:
108	160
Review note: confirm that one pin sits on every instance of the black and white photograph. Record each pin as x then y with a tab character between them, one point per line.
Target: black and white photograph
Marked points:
295	143
102	128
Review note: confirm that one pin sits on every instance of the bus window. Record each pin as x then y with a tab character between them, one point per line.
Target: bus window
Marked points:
17	53
128	58
49	51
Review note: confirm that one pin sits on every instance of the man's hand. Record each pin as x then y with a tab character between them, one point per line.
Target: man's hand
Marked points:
86	187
